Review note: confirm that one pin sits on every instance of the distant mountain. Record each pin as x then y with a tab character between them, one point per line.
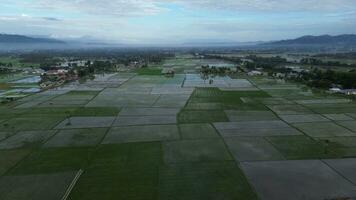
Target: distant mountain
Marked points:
15	39
348	39
209	43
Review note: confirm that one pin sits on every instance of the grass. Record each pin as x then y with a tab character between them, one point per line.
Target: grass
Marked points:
148	71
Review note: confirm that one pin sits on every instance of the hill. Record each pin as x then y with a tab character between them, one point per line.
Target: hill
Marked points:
347	39
7	38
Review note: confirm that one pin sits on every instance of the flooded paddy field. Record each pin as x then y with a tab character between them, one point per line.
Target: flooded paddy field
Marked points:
18	85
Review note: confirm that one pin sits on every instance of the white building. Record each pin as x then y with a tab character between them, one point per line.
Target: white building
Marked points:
254	73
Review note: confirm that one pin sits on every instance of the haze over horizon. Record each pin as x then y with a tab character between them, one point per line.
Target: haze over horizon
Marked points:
177	21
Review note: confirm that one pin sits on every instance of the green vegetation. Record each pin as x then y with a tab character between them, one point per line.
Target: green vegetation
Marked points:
16	62
302	147
47	112
333	108
326	79
30	123
204	181
226	99
77	137
202	116
67	111
346	146
202	150
148	71
206	93
50	160
9	158
197	131
163	139
96	111
315	61
127	171
208	104
6	78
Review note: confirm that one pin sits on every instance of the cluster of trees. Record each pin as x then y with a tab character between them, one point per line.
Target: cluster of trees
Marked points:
6	64
326	79
316	78
215	70
143	57
106	58
101	66
5	70
264	62
90	69
314	61
348	55
234	60
257	61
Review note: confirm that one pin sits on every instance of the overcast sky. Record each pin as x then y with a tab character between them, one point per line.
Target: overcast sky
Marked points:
178	21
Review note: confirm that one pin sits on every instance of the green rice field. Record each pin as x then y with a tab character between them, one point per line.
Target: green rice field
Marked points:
143	136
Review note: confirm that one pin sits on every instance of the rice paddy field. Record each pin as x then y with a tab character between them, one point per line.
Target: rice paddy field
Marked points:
138	136
18	85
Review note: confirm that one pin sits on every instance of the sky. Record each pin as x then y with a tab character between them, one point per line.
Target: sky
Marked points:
177	21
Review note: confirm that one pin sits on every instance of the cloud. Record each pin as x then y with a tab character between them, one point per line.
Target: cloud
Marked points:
177	20
101	7
272	5
133	8
51	19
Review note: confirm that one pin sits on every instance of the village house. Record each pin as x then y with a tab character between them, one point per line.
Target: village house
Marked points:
168	71
254	73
